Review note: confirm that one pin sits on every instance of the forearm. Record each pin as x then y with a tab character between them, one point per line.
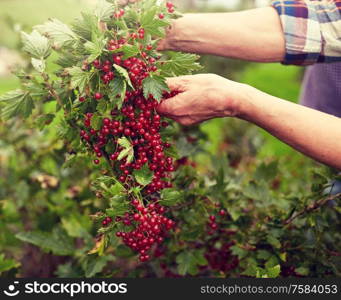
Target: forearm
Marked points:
254	35
309	131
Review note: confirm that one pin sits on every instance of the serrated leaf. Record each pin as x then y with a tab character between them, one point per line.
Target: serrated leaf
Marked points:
123	72
171	197
143	176
129	51
86	26
95	264
273	241
77	225
154	85
56	241
67	60
95	48
17	103
79	78
179	63
36	44
96	122
7	264
157	28
273	272
58	31
188	262
38	64
118	88
104	10
128	150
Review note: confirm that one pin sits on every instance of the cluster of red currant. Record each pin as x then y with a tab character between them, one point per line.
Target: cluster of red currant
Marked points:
151	227
212	224
138	122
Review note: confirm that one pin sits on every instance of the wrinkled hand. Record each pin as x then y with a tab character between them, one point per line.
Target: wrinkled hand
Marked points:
202	97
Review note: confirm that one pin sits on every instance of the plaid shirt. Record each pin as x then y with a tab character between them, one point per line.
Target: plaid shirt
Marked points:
312	30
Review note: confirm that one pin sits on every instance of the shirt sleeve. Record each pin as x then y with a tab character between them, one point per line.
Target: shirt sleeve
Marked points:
312	30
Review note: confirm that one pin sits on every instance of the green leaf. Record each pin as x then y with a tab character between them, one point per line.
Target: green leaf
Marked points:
7	264
153	25
123	72
104	10
44	120
302	271
129	51
118	88
67	60
241	253
17	103
123	251
96	122
36	44
95	48
58	31
154	85
95	264
171	197
119	205
128	150
179	63
188	262
77	225
86	26
273	241
102	107
79	78
267	172
273	272
56	241
148	16
143	176
38	64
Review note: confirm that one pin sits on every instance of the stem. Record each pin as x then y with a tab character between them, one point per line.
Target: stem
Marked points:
312	207
51	89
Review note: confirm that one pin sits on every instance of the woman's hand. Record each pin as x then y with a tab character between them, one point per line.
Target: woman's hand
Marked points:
202	97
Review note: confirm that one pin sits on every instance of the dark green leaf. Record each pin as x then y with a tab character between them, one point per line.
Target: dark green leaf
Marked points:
17	103
79	78
154	85
56	241
171	197
179	63
123	72
143	176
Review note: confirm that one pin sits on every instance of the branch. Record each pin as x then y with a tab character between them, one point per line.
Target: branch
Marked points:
310	208
51	89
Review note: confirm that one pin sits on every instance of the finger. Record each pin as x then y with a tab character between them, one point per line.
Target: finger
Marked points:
177	84
168	106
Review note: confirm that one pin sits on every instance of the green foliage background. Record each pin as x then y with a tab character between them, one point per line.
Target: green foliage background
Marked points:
258	179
